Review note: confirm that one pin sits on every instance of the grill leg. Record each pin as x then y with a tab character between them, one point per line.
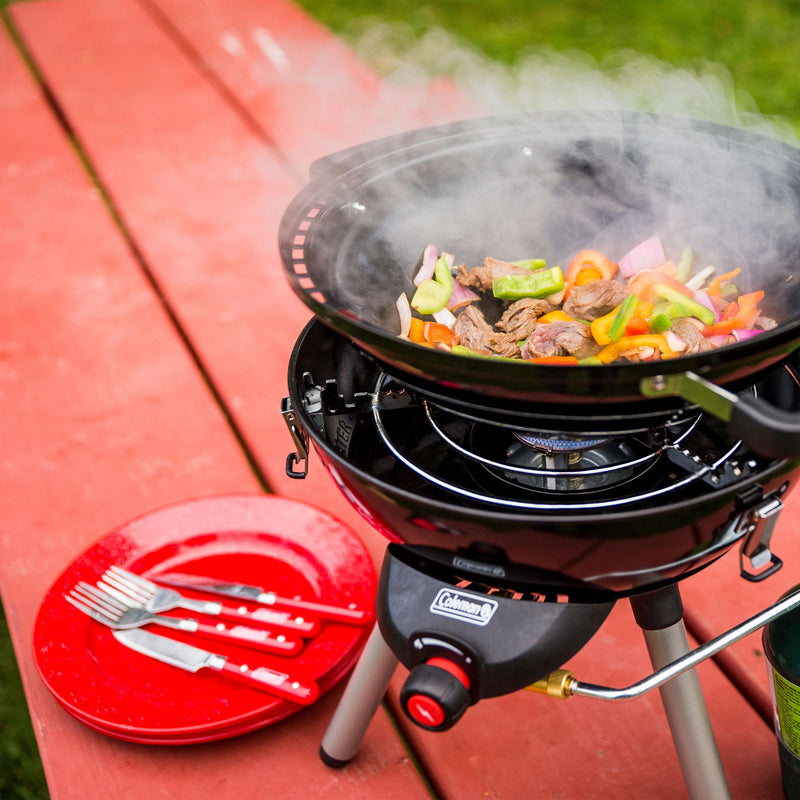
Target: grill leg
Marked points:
360	701
682	697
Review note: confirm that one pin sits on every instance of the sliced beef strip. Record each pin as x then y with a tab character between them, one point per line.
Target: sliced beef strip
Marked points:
520	317
472	330
562	339
481	278
594	299
765	323
504	344
692	335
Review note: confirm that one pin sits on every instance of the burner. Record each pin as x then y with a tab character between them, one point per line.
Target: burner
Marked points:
551	443
559	465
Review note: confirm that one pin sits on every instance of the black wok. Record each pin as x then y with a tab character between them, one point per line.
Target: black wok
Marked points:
548	186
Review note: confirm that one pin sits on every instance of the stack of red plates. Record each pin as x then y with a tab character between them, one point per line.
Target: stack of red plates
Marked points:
284	546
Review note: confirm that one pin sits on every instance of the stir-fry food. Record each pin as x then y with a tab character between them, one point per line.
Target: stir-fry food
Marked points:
646	307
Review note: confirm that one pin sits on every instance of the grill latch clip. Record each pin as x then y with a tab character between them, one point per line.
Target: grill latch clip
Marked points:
300	439
756	560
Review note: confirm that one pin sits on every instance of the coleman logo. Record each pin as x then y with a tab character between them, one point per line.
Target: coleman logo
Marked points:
471	608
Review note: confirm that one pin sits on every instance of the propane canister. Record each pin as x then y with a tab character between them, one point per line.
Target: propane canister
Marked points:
782	650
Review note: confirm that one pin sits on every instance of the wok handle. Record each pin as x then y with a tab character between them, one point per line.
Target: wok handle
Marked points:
770	431
765	429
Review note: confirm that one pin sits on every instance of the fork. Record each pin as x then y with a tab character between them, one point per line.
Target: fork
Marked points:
103	604
156	598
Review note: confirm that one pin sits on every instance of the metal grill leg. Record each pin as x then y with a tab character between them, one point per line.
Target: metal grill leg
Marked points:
360	701
682	697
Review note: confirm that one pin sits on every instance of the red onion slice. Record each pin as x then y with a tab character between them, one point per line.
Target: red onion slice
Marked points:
646	255
445	317
743	334
675	342
720	340
461	296
404	310
704	298
429	258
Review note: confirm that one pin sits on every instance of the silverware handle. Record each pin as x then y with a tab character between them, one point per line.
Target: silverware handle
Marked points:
288	620
210	607
260	639
269	617
351	616
272	681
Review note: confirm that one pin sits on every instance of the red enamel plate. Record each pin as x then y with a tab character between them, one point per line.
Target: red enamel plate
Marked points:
281	545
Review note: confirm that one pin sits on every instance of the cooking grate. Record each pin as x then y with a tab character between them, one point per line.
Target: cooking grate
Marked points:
494	463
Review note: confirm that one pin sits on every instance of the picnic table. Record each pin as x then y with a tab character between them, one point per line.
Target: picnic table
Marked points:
149	149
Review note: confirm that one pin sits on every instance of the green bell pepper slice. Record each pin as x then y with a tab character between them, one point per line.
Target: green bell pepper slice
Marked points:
531	263
433	293
660	322
430	297
460	350
541	283
685	264
624	314
695	309
441	273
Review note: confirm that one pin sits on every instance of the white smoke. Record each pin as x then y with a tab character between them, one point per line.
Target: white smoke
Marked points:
570	169
544	79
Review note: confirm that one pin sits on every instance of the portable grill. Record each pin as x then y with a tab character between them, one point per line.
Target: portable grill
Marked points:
522	502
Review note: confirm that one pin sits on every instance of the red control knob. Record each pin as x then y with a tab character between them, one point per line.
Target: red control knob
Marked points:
425	711
436	694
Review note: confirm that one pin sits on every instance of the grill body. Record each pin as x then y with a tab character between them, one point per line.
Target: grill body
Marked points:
612	541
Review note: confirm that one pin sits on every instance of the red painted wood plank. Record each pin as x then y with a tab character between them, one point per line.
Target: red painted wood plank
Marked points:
708	616
105	417
246	368
202	197
300	84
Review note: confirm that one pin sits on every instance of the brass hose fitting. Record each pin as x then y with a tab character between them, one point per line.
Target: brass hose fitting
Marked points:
557	684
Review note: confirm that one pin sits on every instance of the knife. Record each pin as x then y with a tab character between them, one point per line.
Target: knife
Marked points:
193	659
242	591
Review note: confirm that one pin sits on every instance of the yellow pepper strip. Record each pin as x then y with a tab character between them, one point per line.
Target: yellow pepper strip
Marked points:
555	316
602	325
654	340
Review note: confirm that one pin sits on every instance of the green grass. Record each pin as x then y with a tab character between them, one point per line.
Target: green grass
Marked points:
21	774
752	41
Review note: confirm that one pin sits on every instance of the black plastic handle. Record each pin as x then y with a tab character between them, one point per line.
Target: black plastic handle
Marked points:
297	474
769	431
775	564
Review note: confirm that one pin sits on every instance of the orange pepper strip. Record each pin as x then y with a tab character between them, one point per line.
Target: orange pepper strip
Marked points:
742	315
587	275
436	333
642	284
565	360
417	331
586	260
668	268
637	327
715	287
555	316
